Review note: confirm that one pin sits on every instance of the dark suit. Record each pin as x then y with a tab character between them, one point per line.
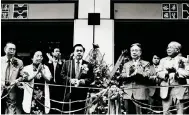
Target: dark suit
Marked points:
54	90
68	72
56	76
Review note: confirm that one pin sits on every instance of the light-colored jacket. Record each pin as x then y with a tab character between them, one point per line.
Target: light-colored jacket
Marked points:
15	71
139	92
28	90
179	92
15	74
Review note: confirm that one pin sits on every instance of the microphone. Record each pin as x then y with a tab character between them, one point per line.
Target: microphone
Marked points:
72	54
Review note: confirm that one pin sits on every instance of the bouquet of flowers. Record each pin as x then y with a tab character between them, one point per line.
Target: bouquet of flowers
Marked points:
100	68
102	99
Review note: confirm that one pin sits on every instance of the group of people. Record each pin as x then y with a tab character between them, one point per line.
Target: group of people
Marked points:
40	84
29	89
139	76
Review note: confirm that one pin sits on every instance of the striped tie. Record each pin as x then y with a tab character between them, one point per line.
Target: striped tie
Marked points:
7	82
77	69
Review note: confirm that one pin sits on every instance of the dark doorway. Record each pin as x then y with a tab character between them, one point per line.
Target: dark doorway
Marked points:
38	35
154	36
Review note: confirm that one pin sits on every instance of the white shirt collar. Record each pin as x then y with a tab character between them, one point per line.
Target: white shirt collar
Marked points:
6	59
80	61
155	66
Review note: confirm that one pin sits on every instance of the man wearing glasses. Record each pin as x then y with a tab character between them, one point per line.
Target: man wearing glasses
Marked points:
173	70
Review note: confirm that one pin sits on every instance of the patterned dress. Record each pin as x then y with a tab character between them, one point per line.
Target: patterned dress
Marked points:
38	100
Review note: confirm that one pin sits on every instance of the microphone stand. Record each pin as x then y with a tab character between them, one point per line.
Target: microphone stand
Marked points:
70	85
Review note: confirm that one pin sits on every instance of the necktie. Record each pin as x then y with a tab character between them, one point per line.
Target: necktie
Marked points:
77	69
7	82
55	64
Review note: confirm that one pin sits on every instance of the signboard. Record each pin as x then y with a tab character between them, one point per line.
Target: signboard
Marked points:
20	11
170	11
164	11
185	11
5	8
38	11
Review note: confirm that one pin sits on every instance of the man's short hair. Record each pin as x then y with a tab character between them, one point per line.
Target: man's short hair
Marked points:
52	50
9	43
78	45
137	44
176	45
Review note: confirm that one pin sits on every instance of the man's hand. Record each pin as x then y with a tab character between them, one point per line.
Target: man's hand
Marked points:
74	81
162	75
181	73
49	57
77	83
81	81
153	77
14	82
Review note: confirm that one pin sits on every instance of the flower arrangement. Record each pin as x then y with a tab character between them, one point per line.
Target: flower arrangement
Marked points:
84	69
100	68
111	90
14	62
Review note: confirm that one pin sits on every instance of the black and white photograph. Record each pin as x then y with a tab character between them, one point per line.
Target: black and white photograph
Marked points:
89	57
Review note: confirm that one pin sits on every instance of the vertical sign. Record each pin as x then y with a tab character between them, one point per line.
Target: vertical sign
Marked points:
20	11
170	11
5	8
185	11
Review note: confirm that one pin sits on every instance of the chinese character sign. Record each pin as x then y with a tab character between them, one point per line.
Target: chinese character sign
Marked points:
185	11
20	11
5	8
169	11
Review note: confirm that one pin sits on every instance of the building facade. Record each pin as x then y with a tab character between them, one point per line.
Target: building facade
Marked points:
119	23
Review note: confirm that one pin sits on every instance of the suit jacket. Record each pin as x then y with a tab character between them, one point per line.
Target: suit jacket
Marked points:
179	92
137	81
15	72
68	72
56	78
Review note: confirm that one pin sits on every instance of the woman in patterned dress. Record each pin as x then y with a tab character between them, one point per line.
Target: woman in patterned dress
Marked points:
36	91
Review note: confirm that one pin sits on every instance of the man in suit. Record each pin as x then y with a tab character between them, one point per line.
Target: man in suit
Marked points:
55	66
135	74
11	72
154	93
77	72
173	70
